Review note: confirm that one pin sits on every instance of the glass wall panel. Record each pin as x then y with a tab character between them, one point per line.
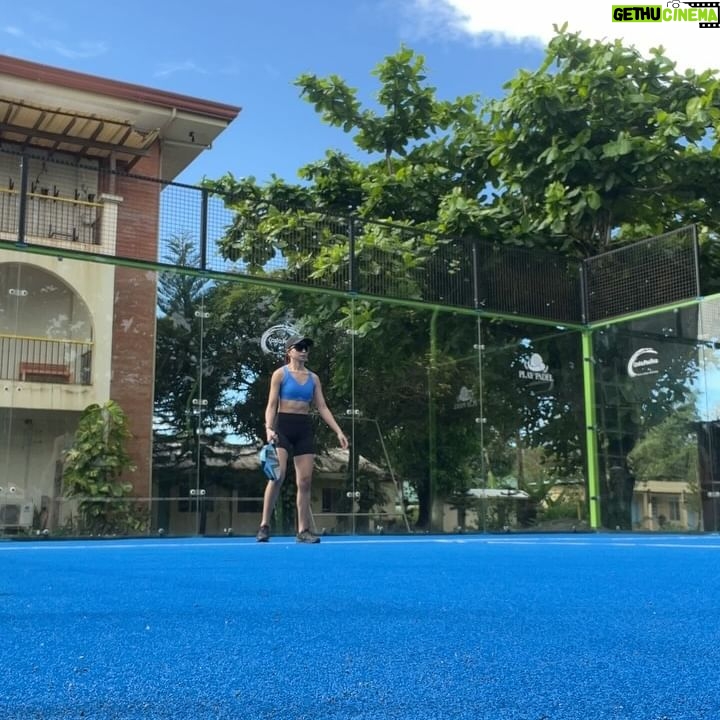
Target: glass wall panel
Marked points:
456	424
398	417
184	401
455	410
210	427
652	394
54	361
705	498
533	430
14	453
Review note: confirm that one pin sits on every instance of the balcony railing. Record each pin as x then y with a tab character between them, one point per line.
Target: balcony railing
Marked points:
29	359
52	216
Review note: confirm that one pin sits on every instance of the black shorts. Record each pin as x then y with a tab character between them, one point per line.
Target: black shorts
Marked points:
295	433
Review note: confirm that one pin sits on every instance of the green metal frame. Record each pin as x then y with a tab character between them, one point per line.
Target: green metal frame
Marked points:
591	440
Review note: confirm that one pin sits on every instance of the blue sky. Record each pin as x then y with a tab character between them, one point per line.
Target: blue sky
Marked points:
248	52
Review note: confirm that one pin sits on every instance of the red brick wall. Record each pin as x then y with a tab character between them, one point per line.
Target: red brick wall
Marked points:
133	355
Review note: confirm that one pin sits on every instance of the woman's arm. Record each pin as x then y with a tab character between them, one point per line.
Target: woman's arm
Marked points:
272	405
326	415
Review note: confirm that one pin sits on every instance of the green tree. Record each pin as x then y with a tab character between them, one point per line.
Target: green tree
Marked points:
208	369
602	145
668	451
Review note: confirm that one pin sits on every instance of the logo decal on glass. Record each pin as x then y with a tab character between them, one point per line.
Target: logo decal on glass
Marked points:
643	362
536	371
465	399
274	338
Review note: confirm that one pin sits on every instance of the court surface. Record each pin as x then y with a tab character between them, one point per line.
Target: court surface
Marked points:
516	627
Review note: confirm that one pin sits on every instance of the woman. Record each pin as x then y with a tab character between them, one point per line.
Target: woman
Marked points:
288	425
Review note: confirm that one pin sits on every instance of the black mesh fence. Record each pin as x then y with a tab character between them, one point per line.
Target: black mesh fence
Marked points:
60	203
304	248
528	282
650	273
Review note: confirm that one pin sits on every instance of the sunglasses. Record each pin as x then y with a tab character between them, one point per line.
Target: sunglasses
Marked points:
301	347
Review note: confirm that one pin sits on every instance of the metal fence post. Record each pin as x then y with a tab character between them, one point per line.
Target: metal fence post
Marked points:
351	259
584	299
22	212
204	228
476	274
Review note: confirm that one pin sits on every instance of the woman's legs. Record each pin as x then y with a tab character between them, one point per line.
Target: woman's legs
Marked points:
303	478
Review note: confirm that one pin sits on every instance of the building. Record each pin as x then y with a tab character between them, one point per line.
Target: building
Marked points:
74	332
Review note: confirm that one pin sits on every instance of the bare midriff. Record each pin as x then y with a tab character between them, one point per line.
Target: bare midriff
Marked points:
296	407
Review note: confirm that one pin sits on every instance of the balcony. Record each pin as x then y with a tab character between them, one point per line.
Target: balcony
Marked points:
41	360
53	219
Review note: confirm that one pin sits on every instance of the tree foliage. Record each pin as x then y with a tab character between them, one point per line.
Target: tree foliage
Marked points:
208	363
668	451
601	145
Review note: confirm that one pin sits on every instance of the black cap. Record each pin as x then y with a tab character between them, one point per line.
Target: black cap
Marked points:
298	340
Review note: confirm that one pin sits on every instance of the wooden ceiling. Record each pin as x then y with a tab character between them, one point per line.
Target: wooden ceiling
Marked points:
58	130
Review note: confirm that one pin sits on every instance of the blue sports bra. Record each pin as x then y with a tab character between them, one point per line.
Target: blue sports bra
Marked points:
291	389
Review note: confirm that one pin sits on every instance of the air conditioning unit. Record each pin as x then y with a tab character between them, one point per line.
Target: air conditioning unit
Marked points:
14	515
15	512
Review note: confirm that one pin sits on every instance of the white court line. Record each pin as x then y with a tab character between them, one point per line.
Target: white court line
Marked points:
284	542
199	543
102	545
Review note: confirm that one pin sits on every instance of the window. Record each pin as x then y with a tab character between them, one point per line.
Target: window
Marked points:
331	499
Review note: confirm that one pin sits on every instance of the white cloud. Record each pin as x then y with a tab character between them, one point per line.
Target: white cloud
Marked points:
14	31
185	66
531	22
83	49
80	48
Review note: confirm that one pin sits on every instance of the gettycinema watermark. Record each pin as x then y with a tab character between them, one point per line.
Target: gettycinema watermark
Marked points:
705	14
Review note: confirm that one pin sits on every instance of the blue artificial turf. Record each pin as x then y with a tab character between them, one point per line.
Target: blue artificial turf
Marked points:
588	627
